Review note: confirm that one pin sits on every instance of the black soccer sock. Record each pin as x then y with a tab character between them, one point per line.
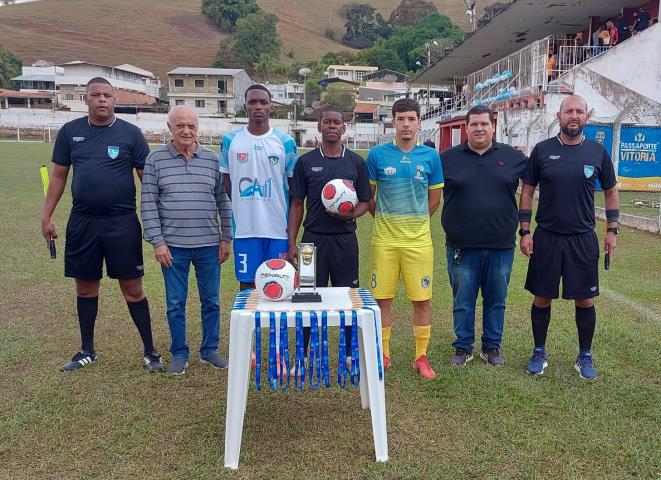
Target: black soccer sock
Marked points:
88	308
306	340
586	320
140	314
540	319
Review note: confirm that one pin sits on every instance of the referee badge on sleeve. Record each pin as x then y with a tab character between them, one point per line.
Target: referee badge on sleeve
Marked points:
113	151
588	170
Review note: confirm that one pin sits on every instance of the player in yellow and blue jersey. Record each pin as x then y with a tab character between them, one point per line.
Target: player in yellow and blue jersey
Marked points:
406	179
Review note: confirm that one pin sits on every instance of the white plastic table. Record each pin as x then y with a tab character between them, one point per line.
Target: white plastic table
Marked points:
242	327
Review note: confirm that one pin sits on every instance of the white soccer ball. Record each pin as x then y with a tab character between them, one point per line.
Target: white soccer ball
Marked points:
339	196
275	279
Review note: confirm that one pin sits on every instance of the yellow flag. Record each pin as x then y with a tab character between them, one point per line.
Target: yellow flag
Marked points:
44	178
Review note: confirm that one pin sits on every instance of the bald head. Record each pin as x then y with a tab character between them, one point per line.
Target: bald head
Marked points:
181	110
574	99
182	122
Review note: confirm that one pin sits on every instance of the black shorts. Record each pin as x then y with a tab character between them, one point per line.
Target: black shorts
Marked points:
116	239
337	258
575	258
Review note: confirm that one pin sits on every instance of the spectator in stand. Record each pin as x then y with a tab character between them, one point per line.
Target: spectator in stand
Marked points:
641	21
605	38
612	31
550	66
596	41
581	51
622	28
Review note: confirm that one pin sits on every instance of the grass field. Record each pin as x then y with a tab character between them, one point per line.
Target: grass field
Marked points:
113	420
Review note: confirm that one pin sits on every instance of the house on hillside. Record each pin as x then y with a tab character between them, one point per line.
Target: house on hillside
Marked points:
352	73
285	93
135	88
209	91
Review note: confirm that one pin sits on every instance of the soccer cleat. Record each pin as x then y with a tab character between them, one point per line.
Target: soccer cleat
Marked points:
153	361
387	362
421	365
461	357
492	357
178	366
79	360
585	367
538	362
215	360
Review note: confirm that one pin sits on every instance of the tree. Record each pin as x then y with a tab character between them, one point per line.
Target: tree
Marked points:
411	12
341	99
10	66
264	65
381	56
225	54
226	13
364	25
256	35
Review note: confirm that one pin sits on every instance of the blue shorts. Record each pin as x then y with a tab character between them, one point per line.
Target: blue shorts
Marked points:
250	253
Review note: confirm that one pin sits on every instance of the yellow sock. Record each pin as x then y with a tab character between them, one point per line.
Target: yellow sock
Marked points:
385	339
421	339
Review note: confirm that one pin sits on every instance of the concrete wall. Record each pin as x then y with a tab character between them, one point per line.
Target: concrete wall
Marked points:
152	124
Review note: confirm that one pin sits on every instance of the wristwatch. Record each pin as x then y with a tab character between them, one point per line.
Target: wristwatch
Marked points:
523	231
614	230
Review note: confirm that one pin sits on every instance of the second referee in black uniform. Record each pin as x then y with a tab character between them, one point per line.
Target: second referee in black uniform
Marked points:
564	244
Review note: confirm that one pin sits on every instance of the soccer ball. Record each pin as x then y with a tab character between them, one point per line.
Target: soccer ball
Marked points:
275	279
339	196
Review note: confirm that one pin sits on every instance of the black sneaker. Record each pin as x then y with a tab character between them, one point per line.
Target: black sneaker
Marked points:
153	361
79	360
461	357
492	357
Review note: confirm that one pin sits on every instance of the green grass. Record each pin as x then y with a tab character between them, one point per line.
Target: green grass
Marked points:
113	420
643	204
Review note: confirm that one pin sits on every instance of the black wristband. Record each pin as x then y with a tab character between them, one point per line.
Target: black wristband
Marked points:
613	215
525	215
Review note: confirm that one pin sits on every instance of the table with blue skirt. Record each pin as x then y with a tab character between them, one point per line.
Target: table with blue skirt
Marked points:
253	316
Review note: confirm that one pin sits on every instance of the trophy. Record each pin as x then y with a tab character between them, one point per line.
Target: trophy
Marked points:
307	275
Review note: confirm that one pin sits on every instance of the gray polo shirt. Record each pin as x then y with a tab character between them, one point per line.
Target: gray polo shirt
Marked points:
182	199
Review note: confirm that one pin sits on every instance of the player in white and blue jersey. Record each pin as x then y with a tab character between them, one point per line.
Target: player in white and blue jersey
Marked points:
257	162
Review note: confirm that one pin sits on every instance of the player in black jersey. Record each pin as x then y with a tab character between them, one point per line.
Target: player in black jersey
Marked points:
566	168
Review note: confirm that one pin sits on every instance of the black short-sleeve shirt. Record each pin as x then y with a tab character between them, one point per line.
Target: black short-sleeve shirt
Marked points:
479	203
103	159
313	170
566	175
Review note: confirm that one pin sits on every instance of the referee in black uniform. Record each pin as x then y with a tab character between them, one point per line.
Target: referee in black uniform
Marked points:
566	168
334	235
103	225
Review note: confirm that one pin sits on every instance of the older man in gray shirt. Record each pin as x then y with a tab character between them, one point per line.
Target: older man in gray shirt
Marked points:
182	198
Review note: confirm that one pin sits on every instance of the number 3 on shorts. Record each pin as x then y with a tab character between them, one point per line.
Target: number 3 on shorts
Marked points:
243	261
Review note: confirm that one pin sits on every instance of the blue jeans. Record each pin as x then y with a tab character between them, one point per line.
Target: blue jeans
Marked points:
471	270
207	273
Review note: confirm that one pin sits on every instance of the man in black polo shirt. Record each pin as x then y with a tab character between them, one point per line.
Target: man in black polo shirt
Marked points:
103	225
480	218
334	235
566	167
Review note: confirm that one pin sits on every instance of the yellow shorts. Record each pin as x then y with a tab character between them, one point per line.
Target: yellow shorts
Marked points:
416	265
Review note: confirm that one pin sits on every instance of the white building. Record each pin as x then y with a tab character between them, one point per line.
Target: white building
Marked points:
352	73
285	93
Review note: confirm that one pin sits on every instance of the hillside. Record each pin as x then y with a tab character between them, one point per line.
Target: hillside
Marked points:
159	35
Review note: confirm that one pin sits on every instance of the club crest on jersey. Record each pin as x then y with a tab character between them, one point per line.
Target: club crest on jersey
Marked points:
242	157
274	159
588	170
113	151
390	170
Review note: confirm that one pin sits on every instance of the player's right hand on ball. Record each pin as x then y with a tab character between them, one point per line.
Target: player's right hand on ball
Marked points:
48	230
162	255
526	245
